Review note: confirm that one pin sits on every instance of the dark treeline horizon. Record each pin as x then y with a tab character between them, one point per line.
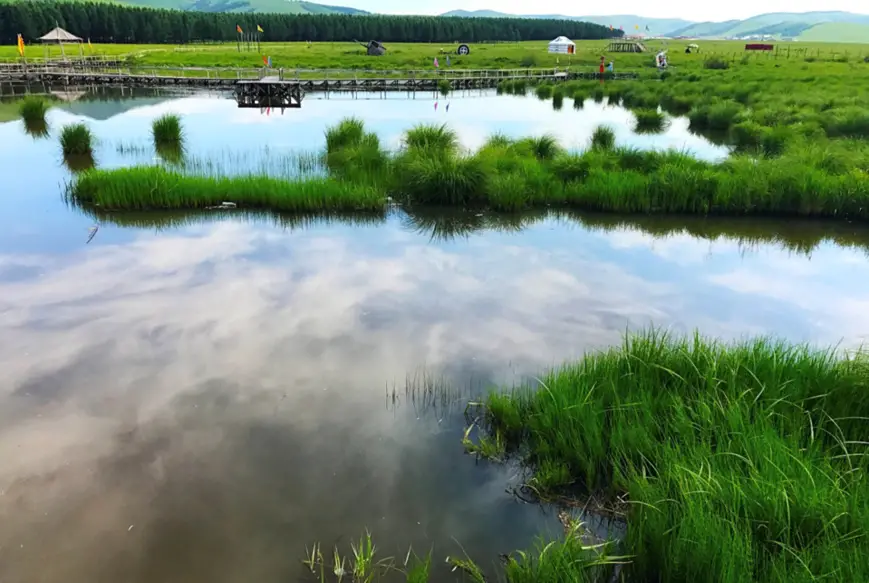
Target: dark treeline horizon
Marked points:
115	23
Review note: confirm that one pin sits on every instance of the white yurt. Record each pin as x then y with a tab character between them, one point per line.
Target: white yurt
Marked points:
562	45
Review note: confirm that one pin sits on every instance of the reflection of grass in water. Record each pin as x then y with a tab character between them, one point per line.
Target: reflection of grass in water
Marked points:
131	149
37	128
708	441
171	154
649	121
262	162
77	163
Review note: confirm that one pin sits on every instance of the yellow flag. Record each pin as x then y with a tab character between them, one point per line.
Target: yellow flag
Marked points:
90	46
259	28
20	45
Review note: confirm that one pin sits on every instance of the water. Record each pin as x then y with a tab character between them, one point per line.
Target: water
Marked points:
197	397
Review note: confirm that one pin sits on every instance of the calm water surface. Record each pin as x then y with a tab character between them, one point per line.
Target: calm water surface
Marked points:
196	398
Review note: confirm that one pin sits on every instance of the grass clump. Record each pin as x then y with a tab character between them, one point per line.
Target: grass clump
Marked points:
348	132
159	188
742	462
33	110
432	139
76	140
603	138
445	87
543	91
649	121
167	131
716	63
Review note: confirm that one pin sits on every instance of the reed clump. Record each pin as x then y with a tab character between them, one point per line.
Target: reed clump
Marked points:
603	138
167	132
738	462
76	140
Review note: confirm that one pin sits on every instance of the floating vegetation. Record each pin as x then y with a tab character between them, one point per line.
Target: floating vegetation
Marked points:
706	441
76	140
167	132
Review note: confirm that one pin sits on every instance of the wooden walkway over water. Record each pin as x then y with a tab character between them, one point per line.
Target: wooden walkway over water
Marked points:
265	87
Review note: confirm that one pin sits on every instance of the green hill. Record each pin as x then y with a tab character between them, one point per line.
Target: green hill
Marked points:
838	32
774	23
657	26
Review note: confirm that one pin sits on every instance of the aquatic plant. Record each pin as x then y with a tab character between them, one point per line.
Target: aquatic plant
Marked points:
167	132
707	441
418	569
32	110
544	147
603	137
442	180
432	139
445	87
155	187
649	120
349	131
76	140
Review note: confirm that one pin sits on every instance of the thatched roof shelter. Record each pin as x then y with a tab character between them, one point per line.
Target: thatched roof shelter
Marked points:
59	36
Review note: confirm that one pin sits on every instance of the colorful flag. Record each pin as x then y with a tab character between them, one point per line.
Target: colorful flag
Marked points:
90	46
637	26
270	62
238	29
647	28
448	106
259	28
20	45
436	105
448	60
436	63
265	61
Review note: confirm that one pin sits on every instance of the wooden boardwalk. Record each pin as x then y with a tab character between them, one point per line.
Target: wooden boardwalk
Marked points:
284	87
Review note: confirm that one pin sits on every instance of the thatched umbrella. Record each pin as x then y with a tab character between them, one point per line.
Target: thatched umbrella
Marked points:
60	36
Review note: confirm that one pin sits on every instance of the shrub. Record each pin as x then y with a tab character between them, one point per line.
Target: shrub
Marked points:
529	60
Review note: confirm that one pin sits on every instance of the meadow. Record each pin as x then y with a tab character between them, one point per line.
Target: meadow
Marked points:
328	55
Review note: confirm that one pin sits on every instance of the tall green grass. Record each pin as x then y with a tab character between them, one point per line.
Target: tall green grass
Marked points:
76	140
167	132
733	463
158	188
33	110
649	121
433	139
603	138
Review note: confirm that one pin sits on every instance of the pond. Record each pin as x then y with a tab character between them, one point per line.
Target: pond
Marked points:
197	397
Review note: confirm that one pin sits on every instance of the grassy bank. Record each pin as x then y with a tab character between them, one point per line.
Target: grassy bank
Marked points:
731	463
511	175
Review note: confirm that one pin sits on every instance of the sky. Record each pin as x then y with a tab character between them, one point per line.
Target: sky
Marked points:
734	9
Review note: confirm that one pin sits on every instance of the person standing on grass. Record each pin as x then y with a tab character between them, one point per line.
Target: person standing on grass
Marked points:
601	66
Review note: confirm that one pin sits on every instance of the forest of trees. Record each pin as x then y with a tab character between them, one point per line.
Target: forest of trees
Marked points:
114	23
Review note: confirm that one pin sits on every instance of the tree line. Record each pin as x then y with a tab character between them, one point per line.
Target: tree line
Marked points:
114	23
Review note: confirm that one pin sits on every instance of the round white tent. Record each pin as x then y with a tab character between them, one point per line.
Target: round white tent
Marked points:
562	45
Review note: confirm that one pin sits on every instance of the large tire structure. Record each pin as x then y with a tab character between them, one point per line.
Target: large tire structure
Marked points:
463	50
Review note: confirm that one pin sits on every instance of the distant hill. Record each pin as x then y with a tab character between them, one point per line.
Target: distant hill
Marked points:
657	26
842	32
790	24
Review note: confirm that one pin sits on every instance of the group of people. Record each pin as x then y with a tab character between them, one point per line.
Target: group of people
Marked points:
608	67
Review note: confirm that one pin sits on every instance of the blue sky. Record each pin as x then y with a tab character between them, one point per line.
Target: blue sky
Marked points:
662	8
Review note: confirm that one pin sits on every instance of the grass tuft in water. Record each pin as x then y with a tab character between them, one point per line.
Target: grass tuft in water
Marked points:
167	132
431	139
445	87
649	121
76	140
348	132
33	110
603	138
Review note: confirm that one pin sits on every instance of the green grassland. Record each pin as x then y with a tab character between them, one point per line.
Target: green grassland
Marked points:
421	55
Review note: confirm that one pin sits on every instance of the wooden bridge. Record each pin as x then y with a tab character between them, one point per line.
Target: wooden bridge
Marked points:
264	87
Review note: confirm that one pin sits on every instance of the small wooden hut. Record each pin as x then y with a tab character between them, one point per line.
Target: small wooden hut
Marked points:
59	36
626	47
